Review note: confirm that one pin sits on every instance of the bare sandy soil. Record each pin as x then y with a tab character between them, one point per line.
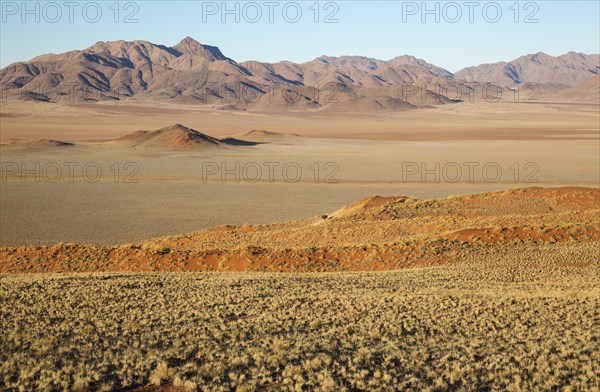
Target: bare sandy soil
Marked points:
464	121
130	194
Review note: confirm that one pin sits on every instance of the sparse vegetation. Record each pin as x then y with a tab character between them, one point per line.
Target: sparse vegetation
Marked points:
496	291
495	321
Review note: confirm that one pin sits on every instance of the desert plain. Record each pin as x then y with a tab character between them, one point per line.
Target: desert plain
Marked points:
165	240
361	273
289	166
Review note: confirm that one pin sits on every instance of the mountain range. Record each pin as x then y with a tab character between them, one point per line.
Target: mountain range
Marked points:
193	73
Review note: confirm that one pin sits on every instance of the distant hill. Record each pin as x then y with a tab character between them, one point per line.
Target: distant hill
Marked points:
174	137
586	92
566	70
194	73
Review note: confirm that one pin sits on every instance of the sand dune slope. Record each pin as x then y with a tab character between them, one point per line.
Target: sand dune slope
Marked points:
174	137
373	234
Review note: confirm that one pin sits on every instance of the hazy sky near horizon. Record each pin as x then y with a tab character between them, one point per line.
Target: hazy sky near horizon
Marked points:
465	33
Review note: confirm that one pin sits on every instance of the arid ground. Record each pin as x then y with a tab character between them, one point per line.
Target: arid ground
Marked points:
446	248
490	320
493	291
100	191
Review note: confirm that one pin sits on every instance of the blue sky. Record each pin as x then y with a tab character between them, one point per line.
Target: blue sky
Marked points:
379	29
